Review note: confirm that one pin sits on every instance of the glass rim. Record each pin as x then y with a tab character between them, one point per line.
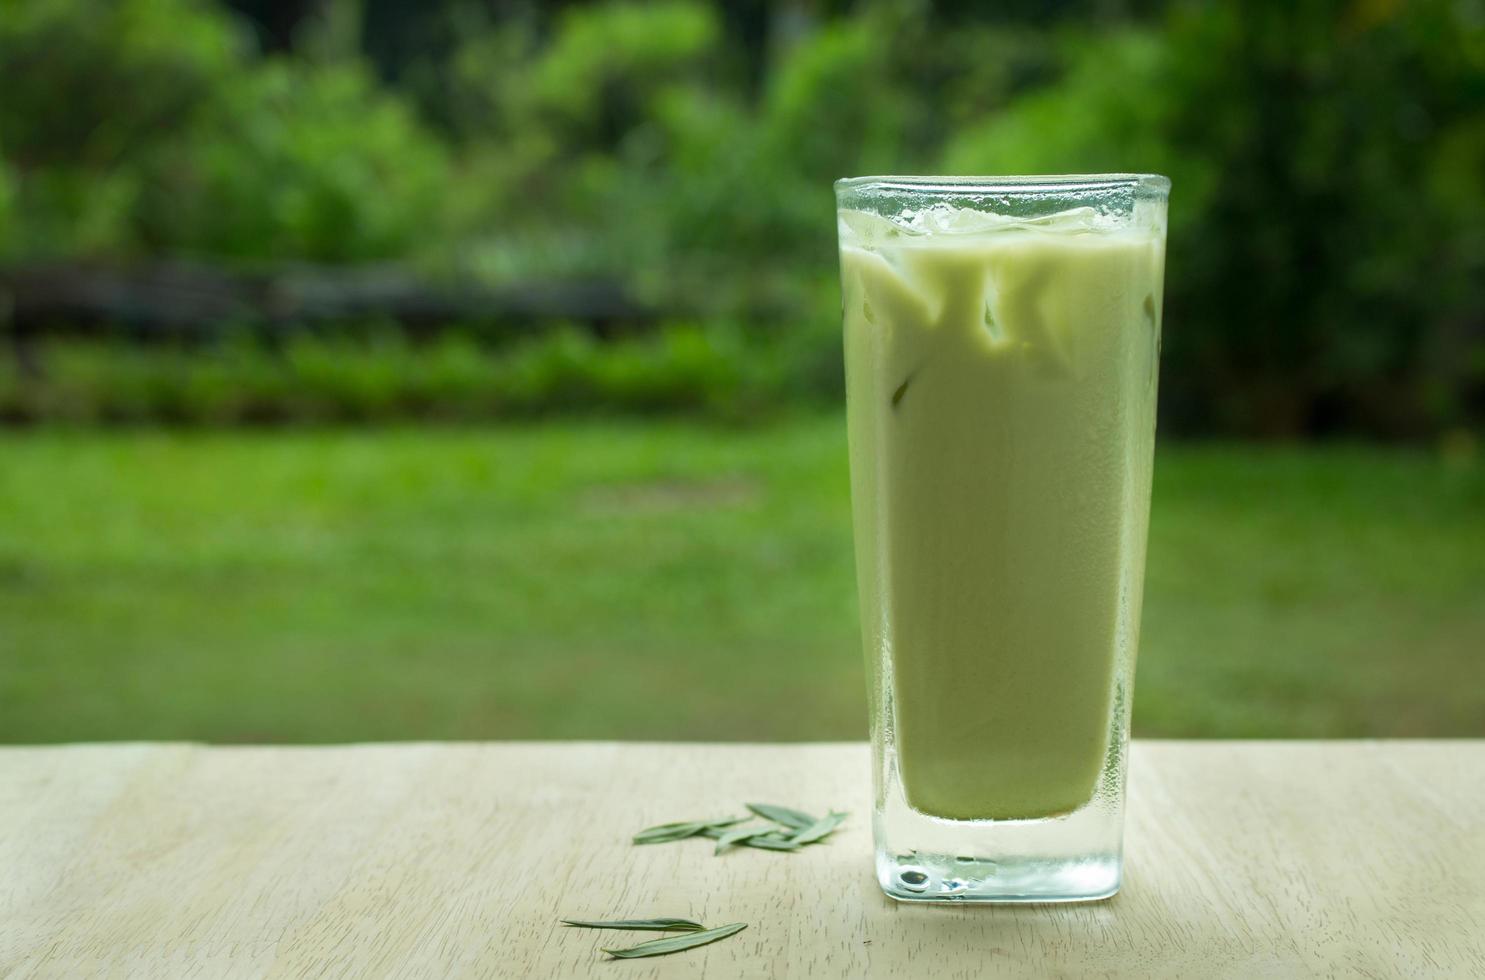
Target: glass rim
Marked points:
1010	183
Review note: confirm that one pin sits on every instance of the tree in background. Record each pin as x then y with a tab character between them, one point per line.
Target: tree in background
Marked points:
1326	266
143	127
1326	255
88	90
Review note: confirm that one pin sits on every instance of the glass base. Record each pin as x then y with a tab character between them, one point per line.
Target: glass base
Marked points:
1074	857
942	878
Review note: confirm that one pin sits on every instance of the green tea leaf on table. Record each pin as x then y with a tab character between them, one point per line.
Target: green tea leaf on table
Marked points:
819	829
653	925
668	831
783	815
674	944
680	830
733	836
793	828
718	826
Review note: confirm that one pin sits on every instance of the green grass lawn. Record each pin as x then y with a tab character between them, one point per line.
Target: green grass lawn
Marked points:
665	581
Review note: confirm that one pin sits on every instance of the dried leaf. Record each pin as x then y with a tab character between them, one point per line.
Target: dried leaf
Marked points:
653	925
680	830
782	815
675	944
819	829
735	835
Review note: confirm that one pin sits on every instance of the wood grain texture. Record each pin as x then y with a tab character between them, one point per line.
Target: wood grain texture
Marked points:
1244	860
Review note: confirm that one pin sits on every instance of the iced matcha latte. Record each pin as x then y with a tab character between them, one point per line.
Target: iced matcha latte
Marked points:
1001	339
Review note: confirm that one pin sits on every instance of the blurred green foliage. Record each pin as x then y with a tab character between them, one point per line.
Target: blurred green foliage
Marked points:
1326	254
1327	251
308	162
7	206
92	92
143	127
717	370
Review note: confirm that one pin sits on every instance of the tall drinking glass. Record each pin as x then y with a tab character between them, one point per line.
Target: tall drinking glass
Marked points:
1001	339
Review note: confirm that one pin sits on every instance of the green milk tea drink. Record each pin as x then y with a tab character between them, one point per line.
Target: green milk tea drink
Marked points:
1001	337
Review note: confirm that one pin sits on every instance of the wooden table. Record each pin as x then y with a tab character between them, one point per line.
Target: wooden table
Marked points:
1245	859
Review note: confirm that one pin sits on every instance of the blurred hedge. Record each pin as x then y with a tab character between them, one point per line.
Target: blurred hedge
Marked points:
1327	254
374	374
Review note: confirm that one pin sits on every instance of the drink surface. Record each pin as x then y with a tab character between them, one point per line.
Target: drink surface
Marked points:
1001	388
